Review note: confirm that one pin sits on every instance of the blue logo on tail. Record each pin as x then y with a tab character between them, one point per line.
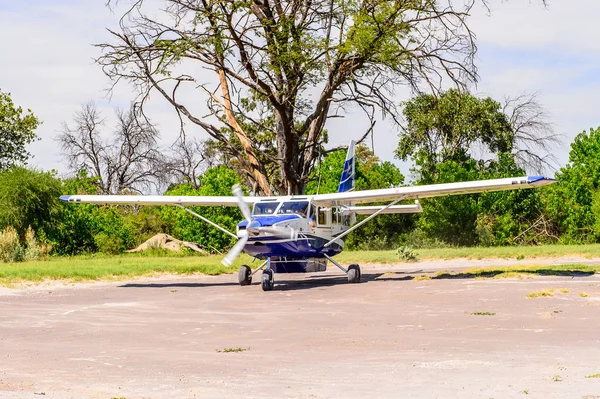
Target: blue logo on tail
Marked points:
347	179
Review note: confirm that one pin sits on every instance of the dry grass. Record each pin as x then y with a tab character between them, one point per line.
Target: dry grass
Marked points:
544	293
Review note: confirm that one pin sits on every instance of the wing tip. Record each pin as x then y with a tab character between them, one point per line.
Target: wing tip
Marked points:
535	179
65	198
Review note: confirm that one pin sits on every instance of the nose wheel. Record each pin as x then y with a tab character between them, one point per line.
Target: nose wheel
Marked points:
245	275
268	282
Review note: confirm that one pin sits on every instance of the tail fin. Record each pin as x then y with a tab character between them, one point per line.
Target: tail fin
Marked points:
347	179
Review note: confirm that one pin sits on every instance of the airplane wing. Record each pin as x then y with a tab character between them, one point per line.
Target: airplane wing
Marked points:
431	190
158	200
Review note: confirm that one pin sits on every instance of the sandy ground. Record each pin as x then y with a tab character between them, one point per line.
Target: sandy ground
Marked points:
315	336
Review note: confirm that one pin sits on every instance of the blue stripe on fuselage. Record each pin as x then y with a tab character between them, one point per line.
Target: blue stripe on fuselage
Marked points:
305	246
269	220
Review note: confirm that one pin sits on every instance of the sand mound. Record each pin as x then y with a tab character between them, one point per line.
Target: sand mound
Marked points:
167	242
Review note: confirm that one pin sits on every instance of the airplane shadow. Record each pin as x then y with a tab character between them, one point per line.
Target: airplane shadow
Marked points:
176	285
317	281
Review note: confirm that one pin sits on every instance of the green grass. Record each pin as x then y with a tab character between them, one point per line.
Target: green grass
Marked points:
593	376
82	268
97	267
483	313
523	252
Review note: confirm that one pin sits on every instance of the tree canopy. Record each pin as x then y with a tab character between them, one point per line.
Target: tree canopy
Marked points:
17	130
455	125
273	73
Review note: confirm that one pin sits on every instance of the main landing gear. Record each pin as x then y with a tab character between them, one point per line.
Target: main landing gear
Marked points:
268	281
353	270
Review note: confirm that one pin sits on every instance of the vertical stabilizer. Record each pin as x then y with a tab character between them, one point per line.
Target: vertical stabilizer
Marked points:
347	179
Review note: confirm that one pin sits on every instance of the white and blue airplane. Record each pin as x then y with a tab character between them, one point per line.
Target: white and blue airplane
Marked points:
300	233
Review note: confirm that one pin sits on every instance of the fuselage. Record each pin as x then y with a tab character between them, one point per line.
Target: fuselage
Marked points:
292	230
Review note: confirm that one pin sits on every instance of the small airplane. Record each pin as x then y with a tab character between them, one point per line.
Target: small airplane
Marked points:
300	233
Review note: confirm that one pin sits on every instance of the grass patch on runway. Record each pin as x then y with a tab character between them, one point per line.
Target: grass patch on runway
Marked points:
483	313
521	271
540	294
518	253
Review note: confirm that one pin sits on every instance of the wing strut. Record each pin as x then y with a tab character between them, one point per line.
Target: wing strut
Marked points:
207	221
394	202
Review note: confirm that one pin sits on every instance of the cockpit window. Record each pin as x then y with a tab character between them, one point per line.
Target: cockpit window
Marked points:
265	208
297	207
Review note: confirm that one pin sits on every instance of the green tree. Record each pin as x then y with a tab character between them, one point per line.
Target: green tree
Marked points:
444	128
215	181
28	198
496	218
16	132
382	232
573	204
297	61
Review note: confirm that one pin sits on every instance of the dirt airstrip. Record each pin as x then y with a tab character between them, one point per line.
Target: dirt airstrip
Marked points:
314	336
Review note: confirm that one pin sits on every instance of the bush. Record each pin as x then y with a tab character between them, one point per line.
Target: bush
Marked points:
10	247
407	254
107	244
33	248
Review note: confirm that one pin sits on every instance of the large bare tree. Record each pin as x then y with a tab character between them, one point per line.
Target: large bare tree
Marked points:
273	72
535	139
130	161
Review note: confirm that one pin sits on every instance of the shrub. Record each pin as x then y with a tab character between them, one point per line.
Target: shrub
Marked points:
109	244
10	247
407	254
33	248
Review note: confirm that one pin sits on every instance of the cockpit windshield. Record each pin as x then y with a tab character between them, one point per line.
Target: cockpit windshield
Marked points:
297	207
265	208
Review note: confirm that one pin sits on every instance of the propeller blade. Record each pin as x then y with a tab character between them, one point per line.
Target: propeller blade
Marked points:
235	251
237	191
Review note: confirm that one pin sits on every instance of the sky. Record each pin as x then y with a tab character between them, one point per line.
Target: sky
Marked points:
47	64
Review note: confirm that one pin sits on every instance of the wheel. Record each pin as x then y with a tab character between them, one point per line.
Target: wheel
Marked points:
268	282
354	273
245	275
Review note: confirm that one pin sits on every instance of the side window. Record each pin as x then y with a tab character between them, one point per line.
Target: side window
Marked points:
322	216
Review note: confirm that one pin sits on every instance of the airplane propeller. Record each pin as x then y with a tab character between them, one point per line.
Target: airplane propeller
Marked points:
235	251
253	228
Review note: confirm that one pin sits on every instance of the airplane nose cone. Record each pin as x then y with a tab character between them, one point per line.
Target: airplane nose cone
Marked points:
253	228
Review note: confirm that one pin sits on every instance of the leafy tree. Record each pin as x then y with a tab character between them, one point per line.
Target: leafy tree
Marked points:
28	198
17	130
573	203
449	126
382	232
495	218
216	181
273	73
87	228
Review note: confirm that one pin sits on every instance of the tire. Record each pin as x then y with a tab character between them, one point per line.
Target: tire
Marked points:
268	282
354	273
245	275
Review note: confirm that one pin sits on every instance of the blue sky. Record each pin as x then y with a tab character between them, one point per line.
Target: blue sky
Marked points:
47	65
